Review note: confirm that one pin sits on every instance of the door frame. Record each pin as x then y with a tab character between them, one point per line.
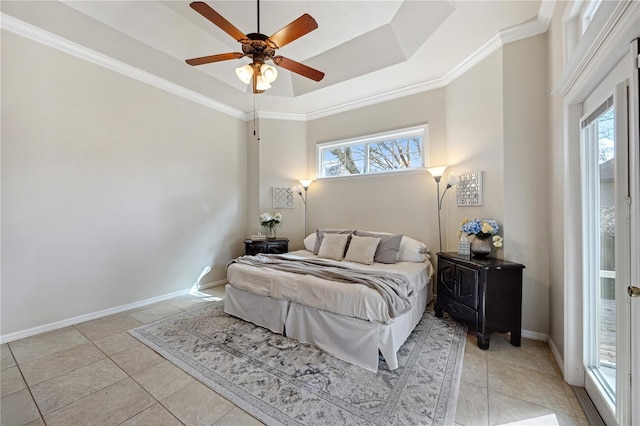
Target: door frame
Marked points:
614	86
579	79
634	190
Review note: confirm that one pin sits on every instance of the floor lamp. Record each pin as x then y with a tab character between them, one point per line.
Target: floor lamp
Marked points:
437	173
304	184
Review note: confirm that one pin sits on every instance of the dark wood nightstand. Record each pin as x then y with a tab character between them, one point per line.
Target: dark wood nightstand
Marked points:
270	245
486	294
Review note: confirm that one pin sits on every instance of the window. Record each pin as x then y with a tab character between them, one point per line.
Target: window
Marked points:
586	13
397	150
599	224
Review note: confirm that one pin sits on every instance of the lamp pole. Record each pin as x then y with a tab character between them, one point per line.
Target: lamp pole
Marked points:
304	200
439	208
437	173
305	183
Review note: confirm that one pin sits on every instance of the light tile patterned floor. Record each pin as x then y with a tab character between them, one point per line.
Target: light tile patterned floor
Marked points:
95	373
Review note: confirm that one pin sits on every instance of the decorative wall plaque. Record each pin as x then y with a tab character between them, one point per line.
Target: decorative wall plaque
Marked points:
469	189
282	198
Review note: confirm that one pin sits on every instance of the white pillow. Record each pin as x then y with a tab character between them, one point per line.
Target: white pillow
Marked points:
412	250
310	242
362	249
333	246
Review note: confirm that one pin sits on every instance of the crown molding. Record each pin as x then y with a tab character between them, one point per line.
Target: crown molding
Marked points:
276	116
528	29
509	35
376	99
39	35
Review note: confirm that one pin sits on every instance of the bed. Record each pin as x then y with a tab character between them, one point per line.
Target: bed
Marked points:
354	294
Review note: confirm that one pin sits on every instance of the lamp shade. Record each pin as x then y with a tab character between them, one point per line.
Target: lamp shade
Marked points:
245	73
305	183
262	84
269	73
453	180
437	172
297	189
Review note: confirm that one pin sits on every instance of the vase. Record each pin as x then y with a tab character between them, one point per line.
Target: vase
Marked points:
270	232
481	247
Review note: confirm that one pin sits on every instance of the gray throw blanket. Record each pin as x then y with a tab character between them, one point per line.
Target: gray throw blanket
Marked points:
394	288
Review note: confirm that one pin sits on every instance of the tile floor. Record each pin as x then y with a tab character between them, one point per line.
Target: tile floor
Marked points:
94	373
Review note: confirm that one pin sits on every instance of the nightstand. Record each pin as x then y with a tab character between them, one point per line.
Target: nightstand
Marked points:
486	294
270	245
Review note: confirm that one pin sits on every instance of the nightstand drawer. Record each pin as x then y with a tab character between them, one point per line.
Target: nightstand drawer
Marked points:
274	246
459	311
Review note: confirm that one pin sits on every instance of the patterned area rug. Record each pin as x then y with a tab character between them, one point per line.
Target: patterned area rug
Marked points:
281	381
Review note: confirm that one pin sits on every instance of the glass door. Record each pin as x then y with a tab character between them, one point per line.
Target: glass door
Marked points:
606	255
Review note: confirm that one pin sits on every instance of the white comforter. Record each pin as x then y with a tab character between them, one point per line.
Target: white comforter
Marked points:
354	300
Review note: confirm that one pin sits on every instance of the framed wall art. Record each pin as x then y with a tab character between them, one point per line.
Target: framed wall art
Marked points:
469	189
282	198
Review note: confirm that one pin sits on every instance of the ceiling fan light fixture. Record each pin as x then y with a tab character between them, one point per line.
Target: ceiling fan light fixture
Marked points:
269	73
259	47
262	84
245	73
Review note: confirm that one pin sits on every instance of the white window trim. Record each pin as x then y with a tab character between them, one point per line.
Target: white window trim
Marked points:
420	130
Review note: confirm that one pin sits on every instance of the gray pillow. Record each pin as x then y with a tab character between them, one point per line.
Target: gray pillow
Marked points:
320	235
388	248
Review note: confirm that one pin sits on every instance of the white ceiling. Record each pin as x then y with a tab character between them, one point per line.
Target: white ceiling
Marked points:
367	49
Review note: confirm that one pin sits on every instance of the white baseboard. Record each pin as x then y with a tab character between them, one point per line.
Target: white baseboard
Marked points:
556	354
211	284
534	335
88	317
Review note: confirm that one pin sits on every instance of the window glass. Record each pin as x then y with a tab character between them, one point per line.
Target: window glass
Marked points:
385	152
586	13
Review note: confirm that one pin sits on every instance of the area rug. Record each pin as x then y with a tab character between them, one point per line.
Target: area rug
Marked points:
281	381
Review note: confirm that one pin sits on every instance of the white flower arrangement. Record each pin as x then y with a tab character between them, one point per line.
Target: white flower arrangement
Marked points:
270	220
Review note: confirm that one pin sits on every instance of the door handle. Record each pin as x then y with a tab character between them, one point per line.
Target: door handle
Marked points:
633	291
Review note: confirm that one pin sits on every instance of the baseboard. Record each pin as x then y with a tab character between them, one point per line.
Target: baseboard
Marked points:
211	284
534	335
88	317
556	355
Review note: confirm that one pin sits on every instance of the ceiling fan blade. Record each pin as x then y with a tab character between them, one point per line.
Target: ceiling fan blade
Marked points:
298	68
217	19
296	29
214	58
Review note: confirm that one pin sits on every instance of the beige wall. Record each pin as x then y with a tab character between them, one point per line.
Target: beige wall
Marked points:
475	142
526	200
497	123
112	191
555	182
279	157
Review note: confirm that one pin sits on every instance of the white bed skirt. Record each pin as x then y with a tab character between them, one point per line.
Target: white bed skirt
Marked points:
350	339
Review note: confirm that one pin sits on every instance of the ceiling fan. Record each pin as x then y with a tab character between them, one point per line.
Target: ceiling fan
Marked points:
260	49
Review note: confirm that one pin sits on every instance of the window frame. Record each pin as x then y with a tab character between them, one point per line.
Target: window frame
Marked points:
370	139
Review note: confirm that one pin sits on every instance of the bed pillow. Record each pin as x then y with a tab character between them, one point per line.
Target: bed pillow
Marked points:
320	235
362	249
387	251
412	251
310	242
333	246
